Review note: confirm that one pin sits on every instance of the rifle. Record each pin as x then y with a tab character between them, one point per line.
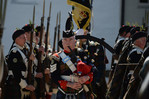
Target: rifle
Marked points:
55	32
40	68
29	76
3	65
124	67
58	48
46	60
2	16
135	84
119	73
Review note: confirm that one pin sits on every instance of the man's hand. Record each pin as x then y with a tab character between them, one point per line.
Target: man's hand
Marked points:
47	71
74	85
32	57
83	79
30	87
41	48
39	75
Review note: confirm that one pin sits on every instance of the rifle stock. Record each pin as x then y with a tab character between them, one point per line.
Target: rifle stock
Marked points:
46	61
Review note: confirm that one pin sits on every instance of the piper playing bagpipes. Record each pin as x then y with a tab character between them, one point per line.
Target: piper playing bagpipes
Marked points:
69	74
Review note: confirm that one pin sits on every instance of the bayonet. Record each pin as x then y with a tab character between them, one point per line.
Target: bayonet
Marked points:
42	24
43	8
55	33
47	32
33	17
58	48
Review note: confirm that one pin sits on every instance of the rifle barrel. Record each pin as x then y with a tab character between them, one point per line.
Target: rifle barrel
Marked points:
33	16
47	32
55	33
50	9
58	48
43	8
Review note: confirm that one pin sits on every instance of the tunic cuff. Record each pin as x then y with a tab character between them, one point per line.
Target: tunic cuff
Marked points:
23	83
63	84
91	78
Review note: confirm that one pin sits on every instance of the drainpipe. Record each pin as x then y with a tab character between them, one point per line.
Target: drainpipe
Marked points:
122	11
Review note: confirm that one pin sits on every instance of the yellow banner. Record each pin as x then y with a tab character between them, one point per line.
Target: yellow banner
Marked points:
81	12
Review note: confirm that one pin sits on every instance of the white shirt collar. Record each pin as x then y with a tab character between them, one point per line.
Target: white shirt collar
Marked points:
18	46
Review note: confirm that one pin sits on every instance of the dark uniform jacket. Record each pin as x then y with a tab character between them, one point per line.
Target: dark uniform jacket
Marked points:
119	45
135	54
17	72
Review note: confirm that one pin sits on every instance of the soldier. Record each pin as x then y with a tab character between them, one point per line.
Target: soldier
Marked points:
38	75
141	82
46	62
37	33
132	54
124	34
145	68
17	65
28	29
65	70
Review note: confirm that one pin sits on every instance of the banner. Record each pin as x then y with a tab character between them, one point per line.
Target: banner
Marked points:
81	12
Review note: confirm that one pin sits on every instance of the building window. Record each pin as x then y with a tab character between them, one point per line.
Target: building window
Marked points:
143	4
144	1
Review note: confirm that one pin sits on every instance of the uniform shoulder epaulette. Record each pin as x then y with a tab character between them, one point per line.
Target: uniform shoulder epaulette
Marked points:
14	50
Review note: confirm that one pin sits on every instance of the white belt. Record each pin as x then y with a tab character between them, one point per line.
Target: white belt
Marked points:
71	78
10	72
72	93
115	61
